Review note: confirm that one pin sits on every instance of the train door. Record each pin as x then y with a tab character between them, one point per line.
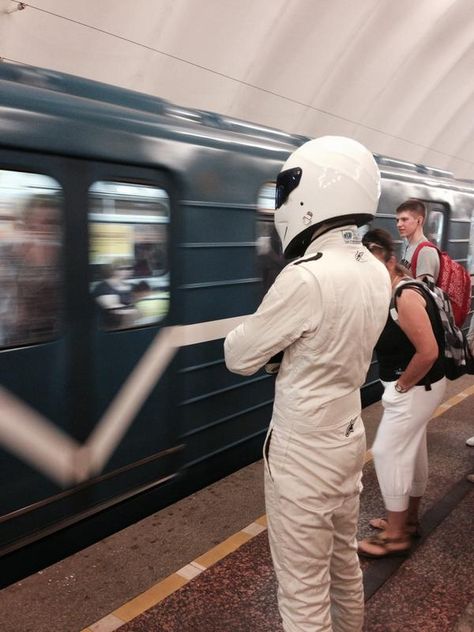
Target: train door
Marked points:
43	342
129	278
77	402
33	364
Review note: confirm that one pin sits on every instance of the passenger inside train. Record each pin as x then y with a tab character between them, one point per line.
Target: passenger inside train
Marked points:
151	305
30	266
114	296
128	254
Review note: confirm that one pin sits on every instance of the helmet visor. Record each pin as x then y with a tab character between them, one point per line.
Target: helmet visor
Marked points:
287	181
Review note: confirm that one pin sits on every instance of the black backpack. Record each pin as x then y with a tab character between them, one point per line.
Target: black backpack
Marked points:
453	345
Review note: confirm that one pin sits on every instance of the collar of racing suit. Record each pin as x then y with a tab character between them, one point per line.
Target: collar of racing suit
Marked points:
341	235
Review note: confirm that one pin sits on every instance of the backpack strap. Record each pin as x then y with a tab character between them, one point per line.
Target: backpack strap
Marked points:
418	286
414	258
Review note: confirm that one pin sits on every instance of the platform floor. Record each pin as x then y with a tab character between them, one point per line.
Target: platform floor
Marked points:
203	563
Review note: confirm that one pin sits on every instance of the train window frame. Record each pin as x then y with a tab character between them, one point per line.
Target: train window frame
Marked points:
36	261
441	209
265	213
147	303
470	256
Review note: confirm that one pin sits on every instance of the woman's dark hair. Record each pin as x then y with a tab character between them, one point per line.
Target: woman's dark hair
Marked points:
379	241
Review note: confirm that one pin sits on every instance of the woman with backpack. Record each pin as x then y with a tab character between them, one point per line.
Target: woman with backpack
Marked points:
411	370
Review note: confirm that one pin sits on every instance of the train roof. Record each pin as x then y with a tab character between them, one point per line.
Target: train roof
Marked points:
89	118
89	98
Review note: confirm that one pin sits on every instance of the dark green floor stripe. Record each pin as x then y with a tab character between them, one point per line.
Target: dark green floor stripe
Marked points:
381	570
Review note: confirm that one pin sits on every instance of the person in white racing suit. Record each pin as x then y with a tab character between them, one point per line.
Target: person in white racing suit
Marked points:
325	311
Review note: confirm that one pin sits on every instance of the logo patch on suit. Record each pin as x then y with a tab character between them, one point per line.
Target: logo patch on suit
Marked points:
350	427
351	237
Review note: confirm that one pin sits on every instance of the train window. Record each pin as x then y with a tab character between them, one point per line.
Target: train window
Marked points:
266	199
270	259
434	224
30	249
470	258
128	253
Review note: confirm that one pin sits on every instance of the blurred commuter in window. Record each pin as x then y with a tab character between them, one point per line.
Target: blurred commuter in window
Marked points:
38	292
143	260
151	305
114	296
325	312
9	258
140	292
411	217
411	370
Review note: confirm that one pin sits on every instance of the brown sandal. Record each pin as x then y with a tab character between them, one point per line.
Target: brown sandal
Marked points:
380	540
412	528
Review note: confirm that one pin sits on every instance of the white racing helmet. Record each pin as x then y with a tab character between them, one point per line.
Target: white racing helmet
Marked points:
326	180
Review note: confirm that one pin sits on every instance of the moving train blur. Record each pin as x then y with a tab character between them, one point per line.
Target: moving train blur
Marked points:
131	229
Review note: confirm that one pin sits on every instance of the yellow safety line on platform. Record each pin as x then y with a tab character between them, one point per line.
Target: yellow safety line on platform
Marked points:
180	578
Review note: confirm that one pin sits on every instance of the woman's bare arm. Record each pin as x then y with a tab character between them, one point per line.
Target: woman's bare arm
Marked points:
415	323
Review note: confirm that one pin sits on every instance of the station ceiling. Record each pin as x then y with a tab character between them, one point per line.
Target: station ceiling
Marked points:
395	74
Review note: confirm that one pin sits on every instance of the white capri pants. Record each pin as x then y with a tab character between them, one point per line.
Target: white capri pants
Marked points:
312	486
399	450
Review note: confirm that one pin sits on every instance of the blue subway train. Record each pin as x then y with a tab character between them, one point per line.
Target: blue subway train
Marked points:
134	235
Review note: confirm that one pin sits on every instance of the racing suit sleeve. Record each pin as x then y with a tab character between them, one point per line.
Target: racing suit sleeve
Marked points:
288	310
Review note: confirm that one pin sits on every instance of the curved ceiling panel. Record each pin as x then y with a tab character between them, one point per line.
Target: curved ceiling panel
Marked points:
395	75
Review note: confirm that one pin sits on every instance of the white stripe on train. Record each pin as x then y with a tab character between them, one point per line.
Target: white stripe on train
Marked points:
43	445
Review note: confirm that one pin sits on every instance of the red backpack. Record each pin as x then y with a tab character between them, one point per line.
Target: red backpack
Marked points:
453	279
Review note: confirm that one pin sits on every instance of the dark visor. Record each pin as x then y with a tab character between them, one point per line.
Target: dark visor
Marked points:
286	182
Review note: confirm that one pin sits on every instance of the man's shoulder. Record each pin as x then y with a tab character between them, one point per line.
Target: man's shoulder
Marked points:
295	272
426	245
427	261
427	250
424	250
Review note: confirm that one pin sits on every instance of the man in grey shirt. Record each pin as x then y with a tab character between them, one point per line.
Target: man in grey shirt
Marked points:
411	217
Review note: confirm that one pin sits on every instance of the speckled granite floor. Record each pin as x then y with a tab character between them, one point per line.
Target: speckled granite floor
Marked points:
434	587
238	594
431	591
